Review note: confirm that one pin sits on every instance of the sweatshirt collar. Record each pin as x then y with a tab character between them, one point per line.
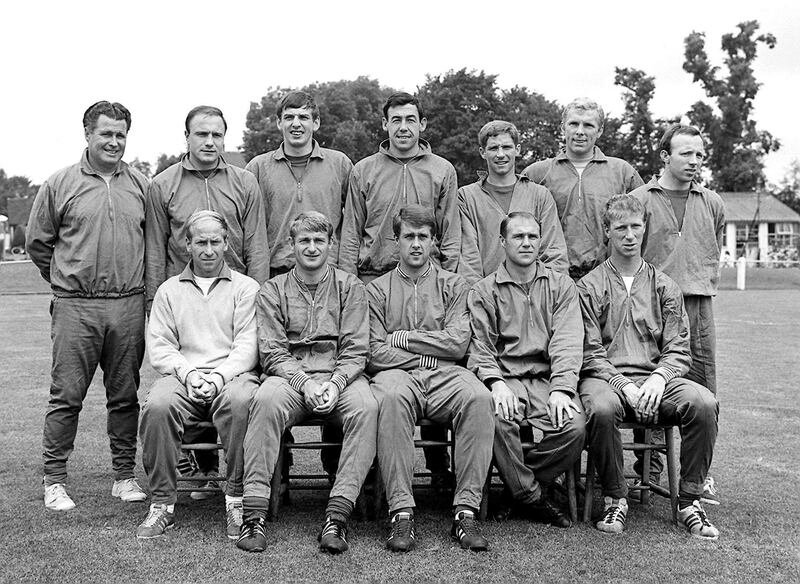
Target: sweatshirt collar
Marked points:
187	275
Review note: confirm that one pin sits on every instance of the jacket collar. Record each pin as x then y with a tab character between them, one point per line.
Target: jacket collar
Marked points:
316	151
186	163
503	277
300	280
597	156
483	176
187	275
424	149
421	276
87	167
653	185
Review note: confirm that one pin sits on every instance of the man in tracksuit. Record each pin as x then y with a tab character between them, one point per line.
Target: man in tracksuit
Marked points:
313	338
202	340
636	354
419	329
683	238
527	340
498	192
86	236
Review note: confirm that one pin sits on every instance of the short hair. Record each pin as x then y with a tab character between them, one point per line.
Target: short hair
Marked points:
115	111
204	110
516	215
620	206
298	99
584	104
312	221
416	216
402	98
676	130
202	214
495	128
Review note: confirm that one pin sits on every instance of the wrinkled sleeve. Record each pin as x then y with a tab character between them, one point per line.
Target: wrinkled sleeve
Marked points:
719	223
353	332
449	221
353	217
273	342
470	262
346	171
450	342
553	251
157	231
595	358
566	341
42	231
163	340
244	350
382	355
256	248
482	351
675	348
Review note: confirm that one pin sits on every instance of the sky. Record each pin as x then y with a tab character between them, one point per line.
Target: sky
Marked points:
160	59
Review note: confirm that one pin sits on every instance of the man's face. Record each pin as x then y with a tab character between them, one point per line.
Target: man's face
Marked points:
207	246
581	131
625	235
311	249
414	245
106	143
500	154
205	141
404	126
521	241
685	159
297	126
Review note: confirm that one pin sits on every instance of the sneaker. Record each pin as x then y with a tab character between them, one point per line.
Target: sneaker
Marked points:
467	532
710	495
253	536
156	523
402	537
56	498
613	519
128	490
694	519
211	488
233	519
333	537
545	510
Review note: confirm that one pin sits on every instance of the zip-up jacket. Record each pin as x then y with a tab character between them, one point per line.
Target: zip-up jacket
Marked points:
638	333
214	333
300	334
322	187
481	252
535	334
87	236
581	201
379	186
688	254
181	190
422	324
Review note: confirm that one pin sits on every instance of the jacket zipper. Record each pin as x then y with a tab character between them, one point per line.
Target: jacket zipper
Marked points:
208	196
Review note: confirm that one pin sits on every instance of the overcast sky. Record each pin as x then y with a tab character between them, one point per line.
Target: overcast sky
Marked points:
162	58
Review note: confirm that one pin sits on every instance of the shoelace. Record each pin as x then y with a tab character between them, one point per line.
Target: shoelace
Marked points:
252	529
334	528
613	514
154	516
467	525
402	526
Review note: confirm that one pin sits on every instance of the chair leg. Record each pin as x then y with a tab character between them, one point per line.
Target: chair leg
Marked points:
275	485
571	496
645	492
589	496
483	512
672	471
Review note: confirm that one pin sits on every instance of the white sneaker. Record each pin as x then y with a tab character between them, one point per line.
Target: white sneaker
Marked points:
56	498
128	490
696	522
710	494
614	514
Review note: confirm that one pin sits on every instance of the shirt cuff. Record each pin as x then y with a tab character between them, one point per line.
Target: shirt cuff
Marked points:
619	381
665	372
399	340
428	362
298	380
340	381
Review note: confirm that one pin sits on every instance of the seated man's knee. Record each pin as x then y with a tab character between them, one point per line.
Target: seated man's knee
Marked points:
162	397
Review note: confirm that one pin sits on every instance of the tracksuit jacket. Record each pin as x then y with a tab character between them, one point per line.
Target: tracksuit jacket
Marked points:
688	254
481	215
581	201
87	236
181	190
323	188
379	186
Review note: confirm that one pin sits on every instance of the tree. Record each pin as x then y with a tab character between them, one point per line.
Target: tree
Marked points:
143	166
12	187
165	161
788	190
736	148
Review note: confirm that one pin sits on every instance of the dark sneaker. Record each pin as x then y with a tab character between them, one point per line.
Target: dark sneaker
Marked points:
253	536
402	538
156	523
547	511
467	532
694	519
710	495
233	519
333	537
613	519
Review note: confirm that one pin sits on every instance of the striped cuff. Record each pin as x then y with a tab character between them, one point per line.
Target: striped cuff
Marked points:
665	372
619	381
428	362
339	381
298	380
399	340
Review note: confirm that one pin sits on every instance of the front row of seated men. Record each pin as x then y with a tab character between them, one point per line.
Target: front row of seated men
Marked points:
526	334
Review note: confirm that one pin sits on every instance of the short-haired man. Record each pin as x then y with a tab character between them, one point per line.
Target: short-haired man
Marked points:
419	329
498	192
86	236
636	352
581	179
299	176
313	338
202	340
683	238
526	347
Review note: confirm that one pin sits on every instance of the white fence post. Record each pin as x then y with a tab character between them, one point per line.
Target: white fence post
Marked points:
741	269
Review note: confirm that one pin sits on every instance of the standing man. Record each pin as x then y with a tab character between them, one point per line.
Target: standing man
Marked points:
636	354
683	238
86	236
313	338
498	192
419	329
527	343
581	179
202	340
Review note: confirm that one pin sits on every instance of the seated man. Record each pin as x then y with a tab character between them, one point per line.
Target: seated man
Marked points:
202	339
526	347
419	329
636	352
313	338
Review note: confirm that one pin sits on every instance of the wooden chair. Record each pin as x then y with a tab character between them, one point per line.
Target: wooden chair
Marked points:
196	447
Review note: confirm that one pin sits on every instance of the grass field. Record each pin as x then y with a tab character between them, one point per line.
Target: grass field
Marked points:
757	467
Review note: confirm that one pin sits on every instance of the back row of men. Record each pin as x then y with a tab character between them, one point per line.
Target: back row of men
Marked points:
90	222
